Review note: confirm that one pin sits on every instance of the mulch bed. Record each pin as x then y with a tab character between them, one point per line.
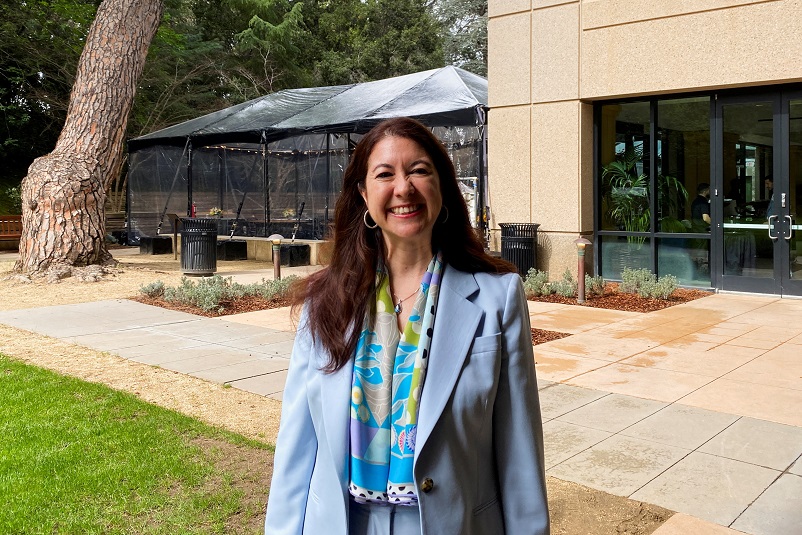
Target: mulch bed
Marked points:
541	336
238	306
614	300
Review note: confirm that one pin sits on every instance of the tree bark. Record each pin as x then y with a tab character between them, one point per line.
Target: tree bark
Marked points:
64	193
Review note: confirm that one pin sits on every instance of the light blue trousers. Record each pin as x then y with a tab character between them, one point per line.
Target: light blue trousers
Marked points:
376	519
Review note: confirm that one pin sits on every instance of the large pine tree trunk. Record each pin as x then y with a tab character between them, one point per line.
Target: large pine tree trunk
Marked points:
63	196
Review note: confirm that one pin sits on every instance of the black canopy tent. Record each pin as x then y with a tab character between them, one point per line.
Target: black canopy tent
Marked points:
277	161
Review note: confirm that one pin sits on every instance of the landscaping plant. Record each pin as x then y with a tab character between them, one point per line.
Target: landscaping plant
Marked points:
594	285
536	283
565	287
209	293
644	283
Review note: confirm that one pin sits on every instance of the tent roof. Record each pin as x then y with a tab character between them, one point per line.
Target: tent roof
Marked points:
438	97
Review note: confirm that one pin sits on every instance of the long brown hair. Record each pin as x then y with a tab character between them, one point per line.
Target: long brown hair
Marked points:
338	296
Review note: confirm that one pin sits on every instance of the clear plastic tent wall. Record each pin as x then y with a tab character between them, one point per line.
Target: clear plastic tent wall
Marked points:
286	186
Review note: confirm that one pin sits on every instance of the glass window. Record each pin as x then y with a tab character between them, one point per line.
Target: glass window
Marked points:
686	259
683	165
619	252
675	167
624	155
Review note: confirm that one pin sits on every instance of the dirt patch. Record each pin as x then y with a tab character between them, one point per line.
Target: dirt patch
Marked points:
576	509
248	470
616	300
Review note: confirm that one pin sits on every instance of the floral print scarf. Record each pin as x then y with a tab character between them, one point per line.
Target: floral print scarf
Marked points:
389	372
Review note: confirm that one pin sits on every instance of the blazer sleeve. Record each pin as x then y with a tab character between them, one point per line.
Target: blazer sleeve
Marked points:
296	446
518	431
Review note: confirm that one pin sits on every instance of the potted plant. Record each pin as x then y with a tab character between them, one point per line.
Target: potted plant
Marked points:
626	196
626	203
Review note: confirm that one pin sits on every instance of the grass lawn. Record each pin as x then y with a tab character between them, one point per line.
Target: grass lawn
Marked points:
78	457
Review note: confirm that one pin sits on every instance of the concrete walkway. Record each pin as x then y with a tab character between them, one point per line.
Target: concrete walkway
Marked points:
696	408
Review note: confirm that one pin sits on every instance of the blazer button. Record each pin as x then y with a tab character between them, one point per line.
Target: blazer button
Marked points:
427	485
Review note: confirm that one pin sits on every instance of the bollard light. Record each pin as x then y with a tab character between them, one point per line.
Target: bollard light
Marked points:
580	243
276	239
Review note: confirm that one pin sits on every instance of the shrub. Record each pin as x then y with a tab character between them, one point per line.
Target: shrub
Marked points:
208	293
633	279
594	285
565	287
662	288
646	284
154	289
536	283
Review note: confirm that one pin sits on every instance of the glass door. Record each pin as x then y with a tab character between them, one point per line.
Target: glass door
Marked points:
788	196
756	194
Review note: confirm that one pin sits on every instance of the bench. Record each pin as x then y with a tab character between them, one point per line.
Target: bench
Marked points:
116	226
10	227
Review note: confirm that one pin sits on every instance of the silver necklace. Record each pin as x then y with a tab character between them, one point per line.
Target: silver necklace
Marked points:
398	307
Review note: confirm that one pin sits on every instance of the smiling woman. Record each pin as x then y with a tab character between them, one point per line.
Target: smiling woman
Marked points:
402	193
413	354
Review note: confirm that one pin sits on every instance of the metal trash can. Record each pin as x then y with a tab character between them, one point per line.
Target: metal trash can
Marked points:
198	246
519	245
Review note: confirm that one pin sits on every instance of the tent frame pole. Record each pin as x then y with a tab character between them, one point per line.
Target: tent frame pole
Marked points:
481	187
266	181
189	177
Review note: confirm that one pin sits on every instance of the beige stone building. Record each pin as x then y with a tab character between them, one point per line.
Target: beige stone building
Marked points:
651	127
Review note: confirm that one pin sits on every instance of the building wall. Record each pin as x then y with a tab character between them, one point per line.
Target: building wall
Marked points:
549	60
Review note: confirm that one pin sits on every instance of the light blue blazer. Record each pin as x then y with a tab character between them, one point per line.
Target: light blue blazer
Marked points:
479	442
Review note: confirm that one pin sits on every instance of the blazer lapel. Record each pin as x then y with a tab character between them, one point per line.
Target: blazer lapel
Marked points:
455	326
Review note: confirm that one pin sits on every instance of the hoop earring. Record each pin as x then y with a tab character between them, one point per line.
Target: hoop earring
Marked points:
447	214
365	219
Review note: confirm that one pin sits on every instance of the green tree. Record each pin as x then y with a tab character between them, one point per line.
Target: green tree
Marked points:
210	54
40	42
464	33
358	41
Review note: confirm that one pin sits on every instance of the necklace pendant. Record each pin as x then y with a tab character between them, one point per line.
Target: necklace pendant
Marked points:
397	308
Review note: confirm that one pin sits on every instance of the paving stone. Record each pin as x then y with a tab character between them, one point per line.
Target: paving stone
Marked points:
160	355
269	384
619	465
562	440
778	510
797	467
242	370
712	488
758	442
208	361
612	413
681	524
209	330
559	399
681	426
162	348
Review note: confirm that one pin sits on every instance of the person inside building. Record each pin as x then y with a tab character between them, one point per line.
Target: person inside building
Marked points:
411	405
700	209
769	183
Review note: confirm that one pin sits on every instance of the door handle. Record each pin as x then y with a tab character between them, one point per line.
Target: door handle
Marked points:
790	227
771	226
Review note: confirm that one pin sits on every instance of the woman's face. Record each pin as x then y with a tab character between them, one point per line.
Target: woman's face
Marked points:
402	191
